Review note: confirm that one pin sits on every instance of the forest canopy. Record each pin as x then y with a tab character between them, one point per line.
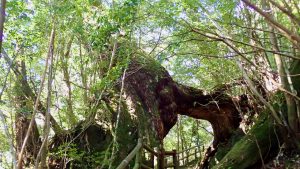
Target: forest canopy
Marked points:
92	83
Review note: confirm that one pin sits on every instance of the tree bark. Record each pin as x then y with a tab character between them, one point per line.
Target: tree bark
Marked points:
151	104
163	99
150	107
22	120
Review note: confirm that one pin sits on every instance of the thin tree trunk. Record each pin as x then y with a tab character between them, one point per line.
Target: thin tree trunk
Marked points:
289	13
2	20
65	58
83	76
42	155
116	128
36	105
260	57
223	33
294	38
291	104
28	92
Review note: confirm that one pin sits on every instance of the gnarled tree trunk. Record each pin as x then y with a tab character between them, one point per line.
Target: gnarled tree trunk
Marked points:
151	103
163	99
22	120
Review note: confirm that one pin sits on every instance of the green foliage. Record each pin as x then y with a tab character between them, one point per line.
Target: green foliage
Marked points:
68	150
188	133
80	158
179	34
256	143
4	146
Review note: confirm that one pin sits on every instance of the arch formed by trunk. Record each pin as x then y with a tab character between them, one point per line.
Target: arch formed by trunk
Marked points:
152	101
163	99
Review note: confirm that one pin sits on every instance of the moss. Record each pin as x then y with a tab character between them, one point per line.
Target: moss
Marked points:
295	69
262	141
223	149
126	134
145	128
151	65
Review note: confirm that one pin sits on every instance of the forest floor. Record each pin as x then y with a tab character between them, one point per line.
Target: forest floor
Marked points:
283	161
190	165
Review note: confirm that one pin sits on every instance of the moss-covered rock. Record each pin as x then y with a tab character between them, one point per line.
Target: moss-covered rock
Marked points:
224	148
262	141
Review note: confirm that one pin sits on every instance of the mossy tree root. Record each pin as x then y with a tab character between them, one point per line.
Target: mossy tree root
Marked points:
260	144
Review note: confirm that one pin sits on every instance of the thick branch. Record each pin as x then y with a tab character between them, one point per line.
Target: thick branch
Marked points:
217	108
164	99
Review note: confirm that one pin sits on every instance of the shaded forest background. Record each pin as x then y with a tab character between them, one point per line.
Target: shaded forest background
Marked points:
82	80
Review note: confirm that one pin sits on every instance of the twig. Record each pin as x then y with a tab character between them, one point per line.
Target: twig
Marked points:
118	118
259	151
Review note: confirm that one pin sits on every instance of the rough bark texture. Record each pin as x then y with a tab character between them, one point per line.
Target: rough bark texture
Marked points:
34	142
23	112
163	99
151	104
24	101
